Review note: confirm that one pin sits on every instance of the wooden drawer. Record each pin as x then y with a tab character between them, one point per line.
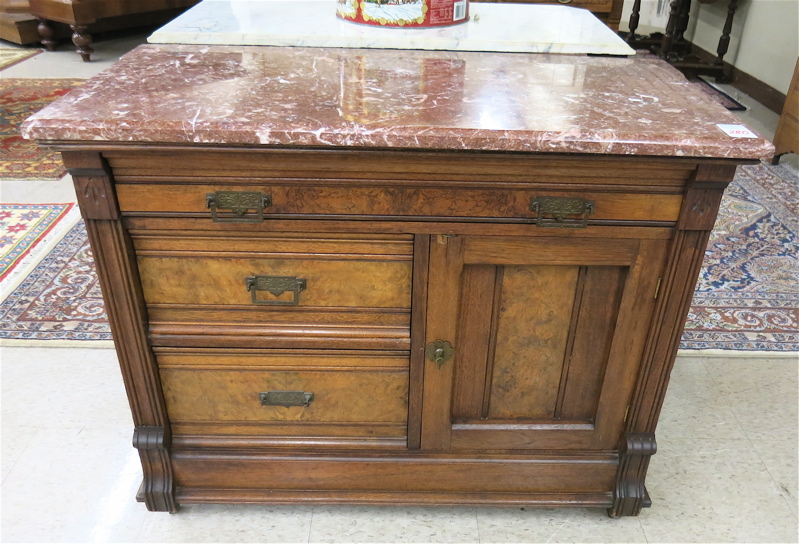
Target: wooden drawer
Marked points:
369	201
268	289
386	184
215	397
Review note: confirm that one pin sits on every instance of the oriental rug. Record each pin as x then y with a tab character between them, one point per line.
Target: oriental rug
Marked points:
23	227
746	299
60	299
11	56
19	99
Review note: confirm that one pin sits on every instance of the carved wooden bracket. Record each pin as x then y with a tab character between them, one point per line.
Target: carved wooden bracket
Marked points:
94	185
157	489
630	494
96	197
703	197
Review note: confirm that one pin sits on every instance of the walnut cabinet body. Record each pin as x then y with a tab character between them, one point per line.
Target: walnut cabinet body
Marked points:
395	327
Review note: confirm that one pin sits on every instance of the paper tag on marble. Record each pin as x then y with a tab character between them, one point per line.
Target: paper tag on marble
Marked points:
737	131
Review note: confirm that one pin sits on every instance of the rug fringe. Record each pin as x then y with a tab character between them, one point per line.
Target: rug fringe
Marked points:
16	343
730	354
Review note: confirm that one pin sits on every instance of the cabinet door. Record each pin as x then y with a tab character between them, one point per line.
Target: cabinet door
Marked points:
547	333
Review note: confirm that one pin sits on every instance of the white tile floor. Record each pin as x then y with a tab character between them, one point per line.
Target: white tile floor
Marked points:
726	469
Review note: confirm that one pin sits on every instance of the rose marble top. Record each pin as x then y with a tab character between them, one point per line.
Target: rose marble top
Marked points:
377	98
516	28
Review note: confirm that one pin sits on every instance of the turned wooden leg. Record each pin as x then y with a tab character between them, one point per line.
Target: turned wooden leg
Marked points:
47	34
82	41
668	36
682	21
724	41
635	17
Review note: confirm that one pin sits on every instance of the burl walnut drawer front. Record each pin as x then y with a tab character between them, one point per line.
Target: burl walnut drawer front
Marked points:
274	397
271	289
360	201
385	185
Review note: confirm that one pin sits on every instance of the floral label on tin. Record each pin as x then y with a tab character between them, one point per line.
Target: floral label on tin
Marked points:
404	13
394	12
347	9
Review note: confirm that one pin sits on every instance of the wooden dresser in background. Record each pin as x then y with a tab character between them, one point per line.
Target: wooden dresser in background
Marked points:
395	277
786	138
86	17
16	22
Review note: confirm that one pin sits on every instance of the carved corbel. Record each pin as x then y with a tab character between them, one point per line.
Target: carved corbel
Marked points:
630	494
157	491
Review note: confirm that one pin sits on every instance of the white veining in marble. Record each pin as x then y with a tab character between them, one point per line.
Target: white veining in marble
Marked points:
516	28
380	98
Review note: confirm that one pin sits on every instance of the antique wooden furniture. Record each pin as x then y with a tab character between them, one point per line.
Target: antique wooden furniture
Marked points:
672	46
786	138
394	277
85	16
607	11
16	23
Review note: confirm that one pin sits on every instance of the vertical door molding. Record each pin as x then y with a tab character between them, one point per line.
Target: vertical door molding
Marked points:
444	278
419	293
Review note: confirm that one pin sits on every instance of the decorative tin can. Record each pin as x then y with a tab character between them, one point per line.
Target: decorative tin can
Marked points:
404	13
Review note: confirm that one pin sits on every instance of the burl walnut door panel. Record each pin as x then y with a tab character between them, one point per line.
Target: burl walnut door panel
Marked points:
547	333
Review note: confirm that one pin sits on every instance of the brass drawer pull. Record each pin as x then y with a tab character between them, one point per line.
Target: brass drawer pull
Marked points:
238	203
565	1
276	285
558	207
286	398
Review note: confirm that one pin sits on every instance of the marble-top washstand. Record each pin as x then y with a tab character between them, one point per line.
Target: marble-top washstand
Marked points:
313	23
376	98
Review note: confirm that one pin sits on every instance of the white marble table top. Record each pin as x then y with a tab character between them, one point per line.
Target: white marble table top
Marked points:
516	28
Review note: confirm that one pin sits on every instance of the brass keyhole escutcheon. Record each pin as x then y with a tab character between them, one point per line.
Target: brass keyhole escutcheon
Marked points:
439	352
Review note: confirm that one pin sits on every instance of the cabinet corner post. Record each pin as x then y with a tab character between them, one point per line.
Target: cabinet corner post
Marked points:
118	272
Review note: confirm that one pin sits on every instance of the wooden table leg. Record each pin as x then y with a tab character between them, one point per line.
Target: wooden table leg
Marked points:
668	35
82	41
724	41
635	17
47	34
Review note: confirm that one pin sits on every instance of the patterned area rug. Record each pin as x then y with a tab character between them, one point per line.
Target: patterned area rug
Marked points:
23	227
10	57
60	299
19	99
747	296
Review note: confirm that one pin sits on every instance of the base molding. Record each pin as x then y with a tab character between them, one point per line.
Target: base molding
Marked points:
346	497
